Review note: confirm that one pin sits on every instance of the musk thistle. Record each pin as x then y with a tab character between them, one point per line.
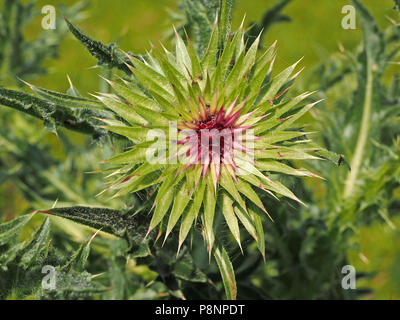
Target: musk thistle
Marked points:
208	131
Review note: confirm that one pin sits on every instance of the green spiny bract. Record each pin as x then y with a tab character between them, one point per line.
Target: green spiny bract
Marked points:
227	89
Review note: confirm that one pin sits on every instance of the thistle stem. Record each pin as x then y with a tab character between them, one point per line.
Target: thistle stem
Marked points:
362	137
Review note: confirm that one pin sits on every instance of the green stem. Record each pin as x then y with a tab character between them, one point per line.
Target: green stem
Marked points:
362	137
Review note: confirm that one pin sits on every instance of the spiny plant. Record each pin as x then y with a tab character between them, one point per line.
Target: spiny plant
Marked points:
226	86
219	96
366	128
337	216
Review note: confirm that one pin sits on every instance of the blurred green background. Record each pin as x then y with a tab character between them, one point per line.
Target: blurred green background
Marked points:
314	32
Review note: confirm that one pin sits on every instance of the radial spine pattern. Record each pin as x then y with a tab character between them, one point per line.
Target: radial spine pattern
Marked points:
220	126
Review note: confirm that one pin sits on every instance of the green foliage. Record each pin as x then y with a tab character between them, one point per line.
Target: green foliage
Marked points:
101	248
10	229
20	58
364	127
200	17
111	221
53	115
227	272
365	131
107	55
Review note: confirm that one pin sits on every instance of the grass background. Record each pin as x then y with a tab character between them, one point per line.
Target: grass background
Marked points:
315	32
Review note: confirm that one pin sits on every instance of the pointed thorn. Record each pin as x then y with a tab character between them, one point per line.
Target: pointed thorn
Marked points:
297	73
107	80
265	210
94	235
158	236
179	249
165	239
54	204
27	83
165	49
263	255
97	97
216	20
176	32
187	36
69	80
242	24
148	232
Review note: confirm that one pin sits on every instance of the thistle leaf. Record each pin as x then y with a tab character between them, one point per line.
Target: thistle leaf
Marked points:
286	124
227	272
278	82
208	216
182	199
108	220
209	61
134	96
254	211
248	191
53	115
136	155
66	100
225	20
164	199
246	221
9	230
38	244
182	55
228	184
226	206
190	215
135	134
127	112
277	136
119	223
275	166
107	55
